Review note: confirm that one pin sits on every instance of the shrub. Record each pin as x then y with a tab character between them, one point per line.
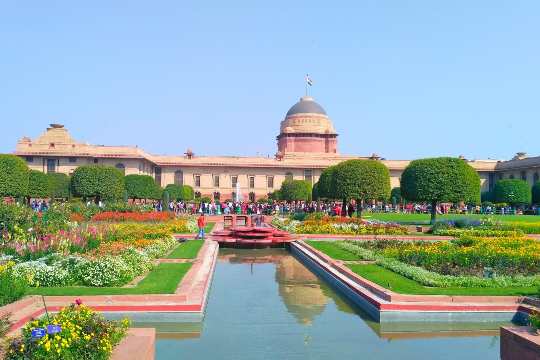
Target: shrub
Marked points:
85	335
12	287
187	193
324	185
441	179
38	185
59	185
14	175
515	192
536	194
140	187
175	191
99	182
292	190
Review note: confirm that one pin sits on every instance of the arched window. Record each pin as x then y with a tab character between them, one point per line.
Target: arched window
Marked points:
288	175
252	197
536	177
121	167
179	177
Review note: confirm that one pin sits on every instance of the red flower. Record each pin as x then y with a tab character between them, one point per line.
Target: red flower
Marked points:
78	301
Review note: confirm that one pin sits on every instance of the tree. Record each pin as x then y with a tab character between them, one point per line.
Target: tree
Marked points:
59	185
293	190
515	192
441	179
536	193
141	187
315	192
98	182
38	185
175	191
14	176
324	185
361	180
187	193
395	196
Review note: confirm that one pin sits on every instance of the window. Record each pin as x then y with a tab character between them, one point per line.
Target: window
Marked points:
234	181
289	176
197	180
72	160
95	161
121	167
523	175
179	177
51	165
252	182
197	194
270	182
217	196
308	175
51	145
500	176
216	180
511	176
536	177
157	175
233	196
252	197
29	159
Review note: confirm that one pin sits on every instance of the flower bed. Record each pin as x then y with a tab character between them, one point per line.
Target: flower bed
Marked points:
434	279
480	232
338	226
116	216
84	334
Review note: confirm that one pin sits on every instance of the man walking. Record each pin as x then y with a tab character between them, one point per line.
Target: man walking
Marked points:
201	223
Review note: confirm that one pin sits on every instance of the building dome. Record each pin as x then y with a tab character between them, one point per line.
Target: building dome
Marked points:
307	129
306	105
307	117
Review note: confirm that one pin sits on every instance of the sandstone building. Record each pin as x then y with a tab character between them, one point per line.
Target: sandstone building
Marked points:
307	143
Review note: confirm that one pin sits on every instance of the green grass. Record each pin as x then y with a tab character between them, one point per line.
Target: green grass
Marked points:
209	227
186	250
425	218
333	251
403	285
164	279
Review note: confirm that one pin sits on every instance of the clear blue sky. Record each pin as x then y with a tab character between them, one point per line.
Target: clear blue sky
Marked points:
404	79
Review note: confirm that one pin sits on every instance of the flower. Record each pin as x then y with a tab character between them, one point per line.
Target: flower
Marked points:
78	301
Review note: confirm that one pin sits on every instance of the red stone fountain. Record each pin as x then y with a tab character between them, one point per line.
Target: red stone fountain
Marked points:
239	232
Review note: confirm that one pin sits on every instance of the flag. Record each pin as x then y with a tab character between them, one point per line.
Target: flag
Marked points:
308	80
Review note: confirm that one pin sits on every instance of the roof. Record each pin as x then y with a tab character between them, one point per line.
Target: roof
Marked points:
306	105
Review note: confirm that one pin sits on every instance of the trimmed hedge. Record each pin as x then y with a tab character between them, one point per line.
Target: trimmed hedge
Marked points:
515	192
99	182
14	176
361	180
536	193
141	187
59	185
38	184
292	190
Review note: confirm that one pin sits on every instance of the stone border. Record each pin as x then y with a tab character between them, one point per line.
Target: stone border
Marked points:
188	303
519	343
140	341
385	305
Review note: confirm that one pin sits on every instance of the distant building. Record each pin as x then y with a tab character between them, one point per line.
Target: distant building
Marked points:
307	144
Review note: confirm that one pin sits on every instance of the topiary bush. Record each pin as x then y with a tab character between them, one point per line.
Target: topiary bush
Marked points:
38	185
441	179
141	187
292	190
14	176
59	185
515	192
536	193
99	182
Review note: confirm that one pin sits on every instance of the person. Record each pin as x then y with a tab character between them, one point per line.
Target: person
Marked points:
201	223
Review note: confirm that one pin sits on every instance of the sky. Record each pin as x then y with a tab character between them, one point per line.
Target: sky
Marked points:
403	79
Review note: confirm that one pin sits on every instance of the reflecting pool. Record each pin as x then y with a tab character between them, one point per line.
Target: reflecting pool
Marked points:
265	304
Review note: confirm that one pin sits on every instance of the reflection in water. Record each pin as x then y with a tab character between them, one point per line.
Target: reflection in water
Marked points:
265	304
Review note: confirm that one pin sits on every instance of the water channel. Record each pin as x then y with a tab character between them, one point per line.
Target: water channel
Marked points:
265	304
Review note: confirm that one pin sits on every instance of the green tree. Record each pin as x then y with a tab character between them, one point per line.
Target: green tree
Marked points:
98	182
361	180
395	195
536	193
515	192
14	176
141	187
59	185
441	179
175	191
324	185
315	192
293	190
38	185
187	193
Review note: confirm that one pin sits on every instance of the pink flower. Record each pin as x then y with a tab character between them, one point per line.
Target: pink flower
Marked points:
78	301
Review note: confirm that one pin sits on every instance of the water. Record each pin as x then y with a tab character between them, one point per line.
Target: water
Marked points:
264	304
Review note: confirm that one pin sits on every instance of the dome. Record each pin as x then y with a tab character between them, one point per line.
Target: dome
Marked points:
306	105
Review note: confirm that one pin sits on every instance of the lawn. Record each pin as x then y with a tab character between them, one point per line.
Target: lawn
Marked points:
164	279
425	218
403	285
186	250
334	252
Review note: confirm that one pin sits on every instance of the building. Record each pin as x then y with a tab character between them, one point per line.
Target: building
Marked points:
307	144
